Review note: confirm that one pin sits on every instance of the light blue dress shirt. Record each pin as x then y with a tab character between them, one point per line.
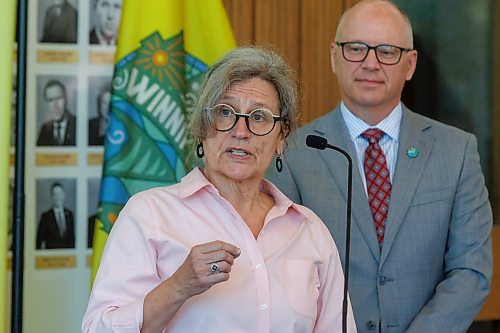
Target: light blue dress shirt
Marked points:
388	143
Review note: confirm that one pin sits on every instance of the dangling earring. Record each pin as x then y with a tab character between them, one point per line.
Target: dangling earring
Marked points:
199	150
279	163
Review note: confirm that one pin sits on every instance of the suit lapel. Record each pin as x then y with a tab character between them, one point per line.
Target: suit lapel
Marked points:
407	174
70	129
336	132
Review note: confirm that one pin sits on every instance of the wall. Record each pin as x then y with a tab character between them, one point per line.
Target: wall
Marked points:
302	32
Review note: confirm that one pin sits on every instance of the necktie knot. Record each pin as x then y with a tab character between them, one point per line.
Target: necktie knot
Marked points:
373	135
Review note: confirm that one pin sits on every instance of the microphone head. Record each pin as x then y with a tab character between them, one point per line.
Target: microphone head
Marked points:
317	142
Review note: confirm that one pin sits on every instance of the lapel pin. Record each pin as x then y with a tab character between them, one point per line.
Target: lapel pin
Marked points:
412	152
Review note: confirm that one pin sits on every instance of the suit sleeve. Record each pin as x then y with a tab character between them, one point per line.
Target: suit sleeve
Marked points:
468	260
71	135
42	136
72	233
45	28
40	237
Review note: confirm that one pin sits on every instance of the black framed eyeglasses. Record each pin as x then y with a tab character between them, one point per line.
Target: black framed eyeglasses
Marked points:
260	121
386	54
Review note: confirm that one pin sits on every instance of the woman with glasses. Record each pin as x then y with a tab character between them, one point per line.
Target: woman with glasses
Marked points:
224	250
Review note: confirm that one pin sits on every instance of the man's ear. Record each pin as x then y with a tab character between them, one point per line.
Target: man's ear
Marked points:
412	64
333	53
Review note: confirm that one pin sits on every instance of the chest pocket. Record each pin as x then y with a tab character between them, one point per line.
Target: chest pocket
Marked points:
422	198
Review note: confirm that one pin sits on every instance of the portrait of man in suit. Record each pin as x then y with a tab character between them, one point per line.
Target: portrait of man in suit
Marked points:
56	225
60	24
107	14
99	125
60	129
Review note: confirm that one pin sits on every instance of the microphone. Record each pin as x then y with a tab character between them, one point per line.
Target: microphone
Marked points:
317	142
321	143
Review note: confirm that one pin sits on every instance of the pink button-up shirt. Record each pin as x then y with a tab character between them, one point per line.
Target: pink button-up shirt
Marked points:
287	280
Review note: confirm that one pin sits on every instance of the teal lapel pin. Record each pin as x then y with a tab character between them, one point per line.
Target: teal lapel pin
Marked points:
412	152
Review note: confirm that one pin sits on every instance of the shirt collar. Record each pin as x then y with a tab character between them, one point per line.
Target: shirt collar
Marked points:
193	182
196	180
102	39
63	121
390	124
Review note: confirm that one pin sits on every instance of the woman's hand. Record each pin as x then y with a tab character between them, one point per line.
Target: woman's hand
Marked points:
207	264
196	275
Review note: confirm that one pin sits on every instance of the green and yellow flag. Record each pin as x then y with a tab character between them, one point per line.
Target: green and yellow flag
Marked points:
7	30
163	48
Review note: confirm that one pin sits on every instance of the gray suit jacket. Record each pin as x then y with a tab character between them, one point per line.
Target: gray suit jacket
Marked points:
434	269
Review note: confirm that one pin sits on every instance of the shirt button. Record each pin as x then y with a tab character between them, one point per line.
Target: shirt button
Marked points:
371	325
258	267
264	307
382	280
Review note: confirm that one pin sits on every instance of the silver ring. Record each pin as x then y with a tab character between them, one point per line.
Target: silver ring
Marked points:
214	268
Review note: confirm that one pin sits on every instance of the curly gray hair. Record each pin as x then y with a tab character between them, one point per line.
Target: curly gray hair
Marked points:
239	65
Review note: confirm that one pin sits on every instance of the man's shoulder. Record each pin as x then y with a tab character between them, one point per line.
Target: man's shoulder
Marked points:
434	127
68	9
326	118
94	121
318	126
297	149
46	130
47	214
68	213
48	123
71	118
53	11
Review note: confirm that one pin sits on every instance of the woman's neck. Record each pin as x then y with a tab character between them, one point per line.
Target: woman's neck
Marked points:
246	198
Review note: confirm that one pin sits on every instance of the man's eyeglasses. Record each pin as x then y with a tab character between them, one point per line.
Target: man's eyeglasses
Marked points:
260	121
386	54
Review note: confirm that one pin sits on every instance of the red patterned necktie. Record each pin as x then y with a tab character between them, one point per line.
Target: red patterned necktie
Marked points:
378	181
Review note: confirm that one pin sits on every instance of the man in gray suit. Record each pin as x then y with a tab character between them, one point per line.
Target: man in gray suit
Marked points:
421	219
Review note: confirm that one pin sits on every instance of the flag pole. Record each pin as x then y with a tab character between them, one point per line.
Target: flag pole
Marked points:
19	196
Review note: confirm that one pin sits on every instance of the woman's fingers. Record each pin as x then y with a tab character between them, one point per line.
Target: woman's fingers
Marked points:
217	252
219	267
216	246
207	264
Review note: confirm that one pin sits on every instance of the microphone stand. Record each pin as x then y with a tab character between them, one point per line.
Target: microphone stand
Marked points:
321	143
